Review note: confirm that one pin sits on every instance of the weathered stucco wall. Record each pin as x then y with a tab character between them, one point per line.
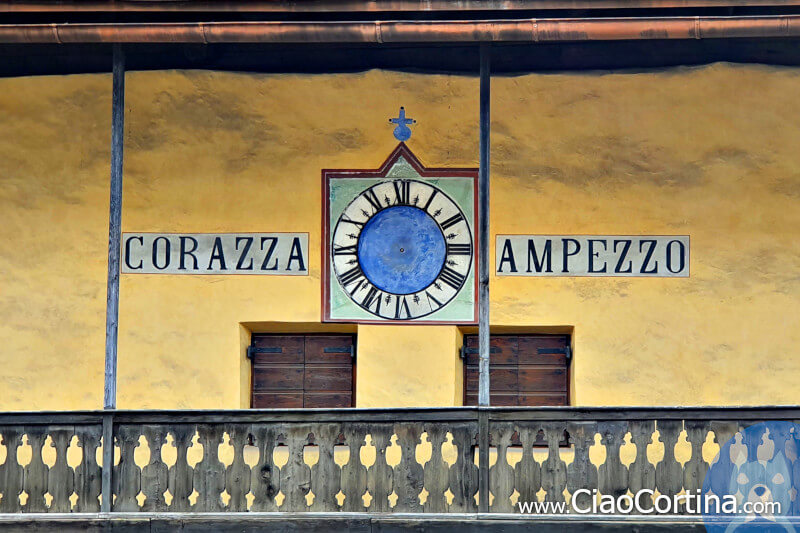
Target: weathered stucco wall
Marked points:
709	152
54	150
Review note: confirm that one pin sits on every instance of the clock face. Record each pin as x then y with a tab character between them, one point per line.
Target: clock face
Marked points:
402	249
399	243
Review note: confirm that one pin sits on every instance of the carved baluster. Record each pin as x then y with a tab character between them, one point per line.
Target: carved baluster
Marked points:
36	472
724	431
155	473
61	481
380	475
237	475
295	475
528	472
752	438
11	472
554	470
641	473
181	474
88	475
408	475
694	471
669	473
613	475
501	475
780	434
265	476
209	474
581	473
436	471
326	476
464	473
127	475
795	473
353	479
720	475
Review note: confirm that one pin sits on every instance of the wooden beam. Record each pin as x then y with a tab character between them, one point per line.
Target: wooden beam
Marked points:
114	227
108	464
427	415
483	232
112	293
483	282
353	522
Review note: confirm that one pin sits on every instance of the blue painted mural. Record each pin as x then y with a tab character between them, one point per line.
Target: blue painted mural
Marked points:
401	250
402	132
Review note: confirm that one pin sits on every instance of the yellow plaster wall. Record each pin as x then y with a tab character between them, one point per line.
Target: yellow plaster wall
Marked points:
709	152
54	150
412	366
218	152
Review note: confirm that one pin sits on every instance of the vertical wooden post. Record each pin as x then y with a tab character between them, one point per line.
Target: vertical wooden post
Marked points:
108	463
112	293
483	279
483	231
114	227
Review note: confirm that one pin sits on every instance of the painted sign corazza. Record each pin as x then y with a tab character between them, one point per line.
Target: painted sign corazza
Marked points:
399	243
593	255
212	253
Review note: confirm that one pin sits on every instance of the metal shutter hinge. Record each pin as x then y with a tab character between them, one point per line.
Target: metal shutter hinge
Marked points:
341	349
473	351
252	350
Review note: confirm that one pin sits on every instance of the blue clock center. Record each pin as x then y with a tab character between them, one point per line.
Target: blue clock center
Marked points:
401	250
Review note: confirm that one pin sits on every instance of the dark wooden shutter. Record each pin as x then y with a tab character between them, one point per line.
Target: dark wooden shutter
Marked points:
524	370
302	370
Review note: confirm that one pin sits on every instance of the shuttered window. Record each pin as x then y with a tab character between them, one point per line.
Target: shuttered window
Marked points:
524	370
302	370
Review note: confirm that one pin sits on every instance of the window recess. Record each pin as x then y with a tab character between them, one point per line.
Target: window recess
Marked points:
291	371
524	370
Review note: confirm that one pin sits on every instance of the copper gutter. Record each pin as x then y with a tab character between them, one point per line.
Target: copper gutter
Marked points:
369	6
519	30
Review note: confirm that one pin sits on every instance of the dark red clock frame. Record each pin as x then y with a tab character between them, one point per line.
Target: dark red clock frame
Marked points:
400	151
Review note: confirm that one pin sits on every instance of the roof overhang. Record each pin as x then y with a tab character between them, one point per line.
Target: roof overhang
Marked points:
64	36
368	6
418	31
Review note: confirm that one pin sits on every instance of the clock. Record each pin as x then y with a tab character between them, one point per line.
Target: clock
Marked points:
399	243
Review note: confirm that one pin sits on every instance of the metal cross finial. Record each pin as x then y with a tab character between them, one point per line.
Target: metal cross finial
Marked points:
402	132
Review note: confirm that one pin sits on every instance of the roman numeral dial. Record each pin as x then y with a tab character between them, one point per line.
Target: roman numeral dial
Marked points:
401	249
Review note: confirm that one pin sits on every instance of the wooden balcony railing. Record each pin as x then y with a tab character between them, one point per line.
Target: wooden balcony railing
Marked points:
366	460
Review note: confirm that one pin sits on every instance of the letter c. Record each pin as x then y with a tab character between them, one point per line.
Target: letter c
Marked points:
637	501
128	252
581	510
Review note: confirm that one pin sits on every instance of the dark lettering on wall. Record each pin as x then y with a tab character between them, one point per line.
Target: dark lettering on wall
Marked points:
217	254
296	254
546	255
273	241
681	256
128	252
166	253
507	257
248	242
593	254
184	252
626	245
648	256
567	254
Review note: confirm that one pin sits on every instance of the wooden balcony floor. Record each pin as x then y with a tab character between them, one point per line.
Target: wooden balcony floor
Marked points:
352	522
